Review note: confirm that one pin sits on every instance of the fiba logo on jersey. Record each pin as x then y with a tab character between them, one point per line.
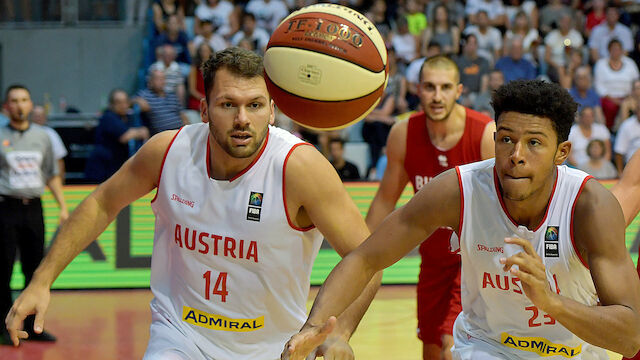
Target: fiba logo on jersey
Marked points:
255	206
551	237
442	159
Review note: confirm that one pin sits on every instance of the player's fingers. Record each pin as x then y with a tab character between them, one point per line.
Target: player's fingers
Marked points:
526	245
328	326
38	323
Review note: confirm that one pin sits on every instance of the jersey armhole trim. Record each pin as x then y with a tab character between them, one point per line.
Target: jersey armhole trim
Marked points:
284	190
162	166
573	209
459	232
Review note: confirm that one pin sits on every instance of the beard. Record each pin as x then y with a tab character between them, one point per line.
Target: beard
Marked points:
226	142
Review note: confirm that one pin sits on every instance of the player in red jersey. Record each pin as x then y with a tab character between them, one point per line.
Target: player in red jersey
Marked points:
445	134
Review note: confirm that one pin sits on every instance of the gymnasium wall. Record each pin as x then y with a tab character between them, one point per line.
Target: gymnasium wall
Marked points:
81	64
121	256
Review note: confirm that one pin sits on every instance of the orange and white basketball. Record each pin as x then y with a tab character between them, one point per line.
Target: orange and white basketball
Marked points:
326	66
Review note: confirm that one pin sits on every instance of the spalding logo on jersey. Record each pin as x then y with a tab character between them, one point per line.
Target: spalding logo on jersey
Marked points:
255	206
551	241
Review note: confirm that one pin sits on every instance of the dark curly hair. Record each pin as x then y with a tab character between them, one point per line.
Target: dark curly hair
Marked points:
538	98
238	61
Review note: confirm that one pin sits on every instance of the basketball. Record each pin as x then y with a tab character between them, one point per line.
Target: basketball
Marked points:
326	66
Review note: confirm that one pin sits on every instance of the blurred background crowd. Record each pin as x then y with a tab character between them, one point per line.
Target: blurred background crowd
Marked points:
592	48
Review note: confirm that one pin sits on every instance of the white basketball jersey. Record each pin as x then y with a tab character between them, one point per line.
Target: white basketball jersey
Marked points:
229	270
495	308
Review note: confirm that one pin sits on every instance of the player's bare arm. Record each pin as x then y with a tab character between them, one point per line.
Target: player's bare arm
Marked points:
487	145
395	177
55	186
137	177
315	195
599	236
436	205
627	190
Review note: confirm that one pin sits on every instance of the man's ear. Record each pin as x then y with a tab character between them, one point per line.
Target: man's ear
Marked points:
272	116
204	110
562	153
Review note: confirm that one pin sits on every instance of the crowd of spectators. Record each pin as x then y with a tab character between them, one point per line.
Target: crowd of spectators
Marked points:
592	48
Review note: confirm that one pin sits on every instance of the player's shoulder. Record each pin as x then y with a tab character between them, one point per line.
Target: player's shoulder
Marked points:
594	201
477	117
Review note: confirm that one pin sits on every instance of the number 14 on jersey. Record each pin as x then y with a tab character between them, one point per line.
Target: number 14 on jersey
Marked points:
220	288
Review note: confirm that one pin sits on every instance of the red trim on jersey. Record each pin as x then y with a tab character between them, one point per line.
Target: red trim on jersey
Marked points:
504	208
284	192
166	152
573	209
461	204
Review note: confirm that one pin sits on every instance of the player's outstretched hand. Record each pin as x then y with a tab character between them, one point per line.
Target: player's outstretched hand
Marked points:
531	272
307	340
334	348
33	300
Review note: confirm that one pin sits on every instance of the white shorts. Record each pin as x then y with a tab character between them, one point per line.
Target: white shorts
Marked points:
166	342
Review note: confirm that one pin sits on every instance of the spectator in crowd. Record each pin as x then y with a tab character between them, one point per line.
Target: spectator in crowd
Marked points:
527	7
558	45
442	31
114	131
177	38
195	80
514	66
631	102
416	19
582	132
482	103
595	17
39	116
521	26
162	9
597	165
174	80
494	9
195	83
627	140
258	36
396	85
26	166
610	29
215	40
217	12
162	109
551	13
613	76
455	9
567	73
377	13
584	94
376	127
268	13
346	170
489	38
474	71
403	42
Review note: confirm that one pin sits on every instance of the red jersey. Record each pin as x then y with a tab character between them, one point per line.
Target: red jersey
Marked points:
423	161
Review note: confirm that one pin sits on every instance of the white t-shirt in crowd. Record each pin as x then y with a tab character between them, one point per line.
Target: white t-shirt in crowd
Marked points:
609	82
628	138
219	15
555	40
579	142
268	14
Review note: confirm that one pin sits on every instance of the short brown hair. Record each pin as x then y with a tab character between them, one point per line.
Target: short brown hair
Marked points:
442	62
238	61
